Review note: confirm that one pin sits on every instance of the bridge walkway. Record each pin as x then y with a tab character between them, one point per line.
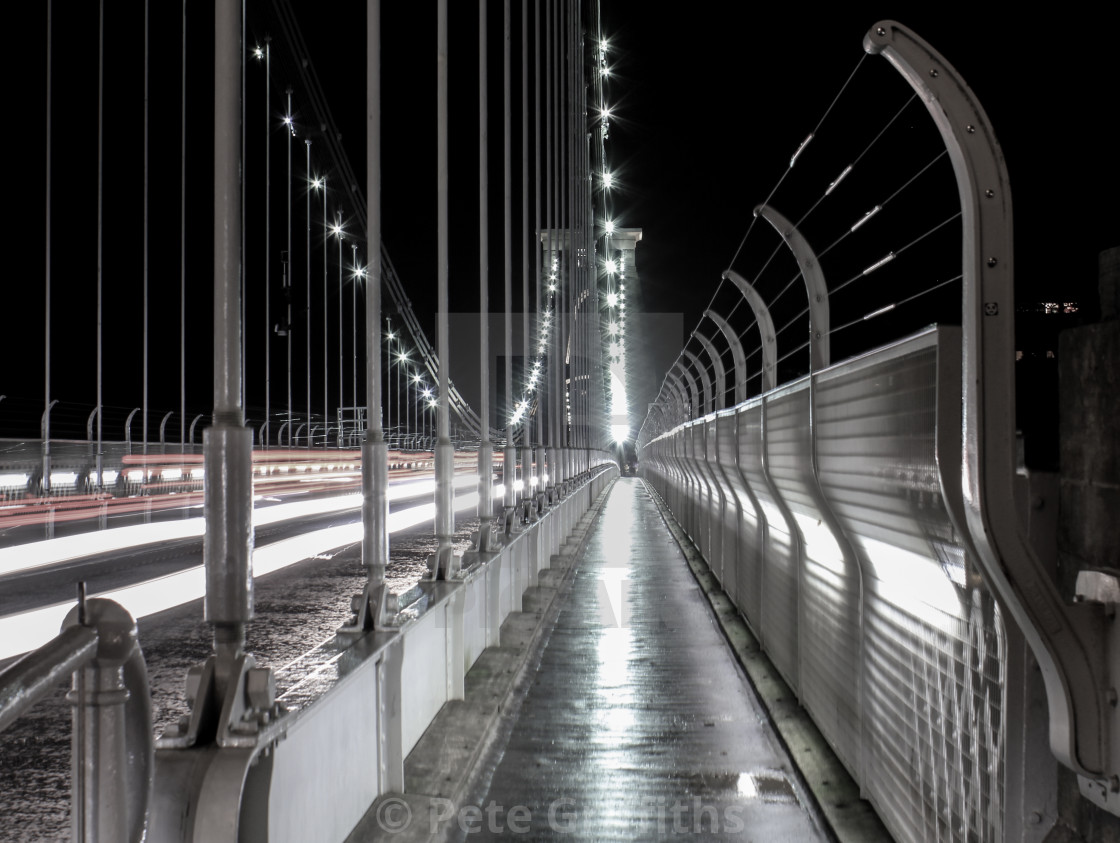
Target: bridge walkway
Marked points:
639	724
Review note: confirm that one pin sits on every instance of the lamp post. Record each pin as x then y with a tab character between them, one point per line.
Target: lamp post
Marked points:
402	360
354	326
429	403
286	261
326	416
416	380
341	402
266	430
389	337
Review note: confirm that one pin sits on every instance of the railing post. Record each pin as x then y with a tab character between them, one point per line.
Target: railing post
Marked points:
720	379
1068	641
112	729
737	356
815	286
768	337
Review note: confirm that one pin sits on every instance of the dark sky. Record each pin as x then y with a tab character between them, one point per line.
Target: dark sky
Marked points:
711	100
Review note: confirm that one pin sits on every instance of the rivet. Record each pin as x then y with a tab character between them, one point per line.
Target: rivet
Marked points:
880	32
933	73
1034	818
989	193
970	129
992	261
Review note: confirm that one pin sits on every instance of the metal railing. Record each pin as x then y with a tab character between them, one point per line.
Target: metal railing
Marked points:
112	757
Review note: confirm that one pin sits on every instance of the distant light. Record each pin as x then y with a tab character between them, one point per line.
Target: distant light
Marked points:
288	121
610	226
258	53
612	267
337	232
500	490
608	180
518	485
612	299
416	378
552	288
544	477
402	356
603	44
317	183
427	393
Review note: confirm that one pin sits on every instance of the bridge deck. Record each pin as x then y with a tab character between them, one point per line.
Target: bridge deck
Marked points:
640	724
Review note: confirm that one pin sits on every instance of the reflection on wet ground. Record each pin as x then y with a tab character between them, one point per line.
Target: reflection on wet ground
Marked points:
296	608
639	723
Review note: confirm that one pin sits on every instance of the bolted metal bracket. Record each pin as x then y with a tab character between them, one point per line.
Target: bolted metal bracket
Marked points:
511	524
445	564
1102	586
371	611
229	719
485	538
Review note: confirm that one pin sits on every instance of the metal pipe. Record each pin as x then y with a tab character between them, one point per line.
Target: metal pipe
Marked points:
286	259
326	379
144	391
445	455
45	436
542	388
509	457
37	673
228	540
341	394
100	206
267	234
307	254
111	766
485	447
526	445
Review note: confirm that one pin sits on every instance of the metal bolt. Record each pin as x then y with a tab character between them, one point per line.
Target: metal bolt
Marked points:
970	129
260	688
1034	818
933	74
989	193
992	261
880	32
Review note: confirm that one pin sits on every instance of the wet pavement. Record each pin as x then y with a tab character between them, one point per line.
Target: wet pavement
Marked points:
639	723
297	608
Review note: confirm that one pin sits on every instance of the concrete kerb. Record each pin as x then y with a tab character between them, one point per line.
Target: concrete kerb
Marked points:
851	819
459	748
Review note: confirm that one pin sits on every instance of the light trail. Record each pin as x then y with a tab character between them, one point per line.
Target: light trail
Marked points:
23	632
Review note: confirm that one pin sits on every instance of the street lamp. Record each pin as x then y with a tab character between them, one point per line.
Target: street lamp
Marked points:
354	324
402	360
337	232
416	380
307	342
317	184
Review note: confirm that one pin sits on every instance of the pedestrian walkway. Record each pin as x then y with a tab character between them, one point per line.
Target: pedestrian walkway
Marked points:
639	723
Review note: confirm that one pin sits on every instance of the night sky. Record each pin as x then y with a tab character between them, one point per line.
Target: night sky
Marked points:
711	100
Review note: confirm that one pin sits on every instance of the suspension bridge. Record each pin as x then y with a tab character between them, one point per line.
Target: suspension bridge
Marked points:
539	572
